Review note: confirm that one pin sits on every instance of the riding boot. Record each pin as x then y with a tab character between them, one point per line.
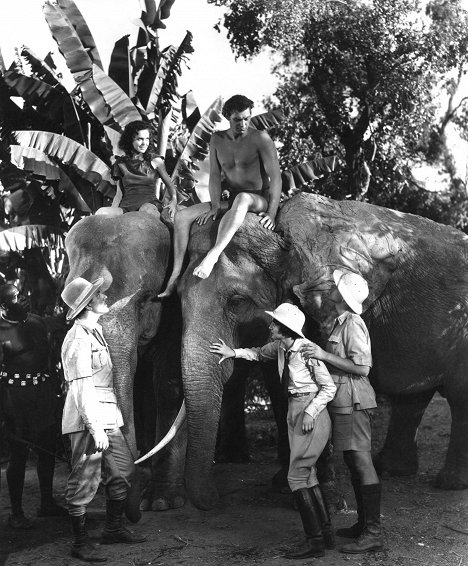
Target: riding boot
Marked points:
355	530
114	530
370	540
314	545
324	515
82	547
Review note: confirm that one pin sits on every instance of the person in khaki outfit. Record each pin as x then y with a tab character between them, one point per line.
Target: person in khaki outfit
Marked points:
348	356
309	388
92	419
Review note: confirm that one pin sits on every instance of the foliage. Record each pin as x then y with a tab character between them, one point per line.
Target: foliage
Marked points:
363	80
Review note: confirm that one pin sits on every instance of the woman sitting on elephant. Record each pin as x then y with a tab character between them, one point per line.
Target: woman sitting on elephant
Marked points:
138	170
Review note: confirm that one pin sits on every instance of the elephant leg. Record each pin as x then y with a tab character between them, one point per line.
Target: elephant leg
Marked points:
399	456
231	444
166	489
454	474
280	411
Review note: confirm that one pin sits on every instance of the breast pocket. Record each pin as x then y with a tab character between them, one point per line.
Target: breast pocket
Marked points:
98	357
335	344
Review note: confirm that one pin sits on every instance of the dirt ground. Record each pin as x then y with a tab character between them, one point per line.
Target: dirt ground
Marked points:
254	525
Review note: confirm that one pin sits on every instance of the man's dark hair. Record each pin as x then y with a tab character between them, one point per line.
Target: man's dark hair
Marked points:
129	133
285	331
237	103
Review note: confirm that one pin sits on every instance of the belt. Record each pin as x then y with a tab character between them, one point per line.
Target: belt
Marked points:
299	394
22	379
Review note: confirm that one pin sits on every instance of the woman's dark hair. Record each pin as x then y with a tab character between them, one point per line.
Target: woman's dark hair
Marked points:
237	103
285	331
129	133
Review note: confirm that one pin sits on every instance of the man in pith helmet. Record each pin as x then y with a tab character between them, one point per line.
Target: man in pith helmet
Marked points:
348	356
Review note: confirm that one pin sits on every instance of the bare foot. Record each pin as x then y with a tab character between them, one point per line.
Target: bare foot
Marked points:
169	290
206	267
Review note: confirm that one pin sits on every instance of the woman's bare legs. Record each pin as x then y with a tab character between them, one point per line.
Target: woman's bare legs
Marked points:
182	224
230	223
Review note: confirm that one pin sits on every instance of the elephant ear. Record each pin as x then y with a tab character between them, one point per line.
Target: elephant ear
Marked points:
328	235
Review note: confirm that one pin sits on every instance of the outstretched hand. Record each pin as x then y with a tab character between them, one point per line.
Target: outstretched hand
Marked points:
267	221
222	350
203	218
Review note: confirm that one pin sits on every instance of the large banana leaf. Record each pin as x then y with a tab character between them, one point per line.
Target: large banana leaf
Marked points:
31	236
197	146
39	164
152	16
190	111
302	174
122	109
120	70
31	89
41	69
72	12
163	70
69	152
164	90
267	120
68	41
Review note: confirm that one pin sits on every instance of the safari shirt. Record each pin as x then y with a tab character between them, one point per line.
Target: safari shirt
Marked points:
91	401
350	339
310	376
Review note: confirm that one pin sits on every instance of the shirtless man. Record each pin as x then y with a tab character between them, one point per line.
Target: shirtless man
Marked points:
246	160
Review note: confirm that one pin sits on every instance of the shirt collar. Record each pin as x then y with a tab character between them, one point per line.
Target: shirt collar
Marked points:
294	346
87	324
343	316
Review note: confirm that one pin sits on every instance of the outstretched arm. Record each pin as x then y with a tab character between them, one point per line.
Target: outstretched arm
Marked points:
270	162
214	185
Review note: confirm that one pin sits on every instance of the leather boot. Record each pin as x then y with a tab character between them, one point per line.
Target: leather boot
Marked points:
82	547
313	546
324	515
370	540
114	530
355	530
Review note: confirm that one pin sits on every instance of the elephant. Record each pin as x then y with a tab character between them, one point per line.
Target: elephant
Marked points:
132	253
416	313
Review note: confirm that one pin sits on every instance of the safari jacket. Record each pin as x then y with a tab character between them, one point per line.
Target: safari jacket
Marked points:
305	376
91	401
350	339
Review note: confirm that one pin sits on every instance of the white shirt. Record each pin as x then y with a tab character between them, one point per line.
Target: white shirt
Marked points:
305	376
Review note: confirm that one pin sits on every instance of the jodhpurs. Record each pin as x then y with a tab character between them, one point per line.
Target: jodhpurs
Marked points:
305	448
115	466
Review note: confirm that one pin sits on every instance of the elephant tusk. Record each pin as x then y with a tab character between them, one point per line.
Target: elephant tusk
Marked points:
169	436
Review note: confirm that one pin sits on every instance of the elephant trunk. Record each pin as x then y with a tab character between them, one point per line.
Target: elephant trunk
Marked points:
203	381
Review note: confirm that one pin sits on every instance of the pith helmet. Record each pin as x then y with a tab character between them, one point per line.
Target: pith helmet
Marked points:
78	293
290	316
353	288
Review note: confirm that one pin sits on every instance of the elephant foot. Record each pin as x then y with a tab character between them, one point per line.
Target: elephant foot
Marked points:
452	478
204	498
386	465
164	504
279	482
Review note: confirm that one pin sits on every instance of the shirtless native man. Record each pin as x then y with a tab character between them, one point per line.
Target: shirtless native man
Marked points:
245	159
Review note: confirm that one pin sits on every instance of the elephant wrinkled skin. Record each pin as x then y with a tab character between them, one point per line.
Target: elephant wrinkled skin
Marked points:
131	252
416	314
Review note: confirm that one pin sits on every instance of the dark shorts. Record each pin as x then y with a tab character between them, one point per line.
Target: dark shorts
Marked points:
28	411
352	431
